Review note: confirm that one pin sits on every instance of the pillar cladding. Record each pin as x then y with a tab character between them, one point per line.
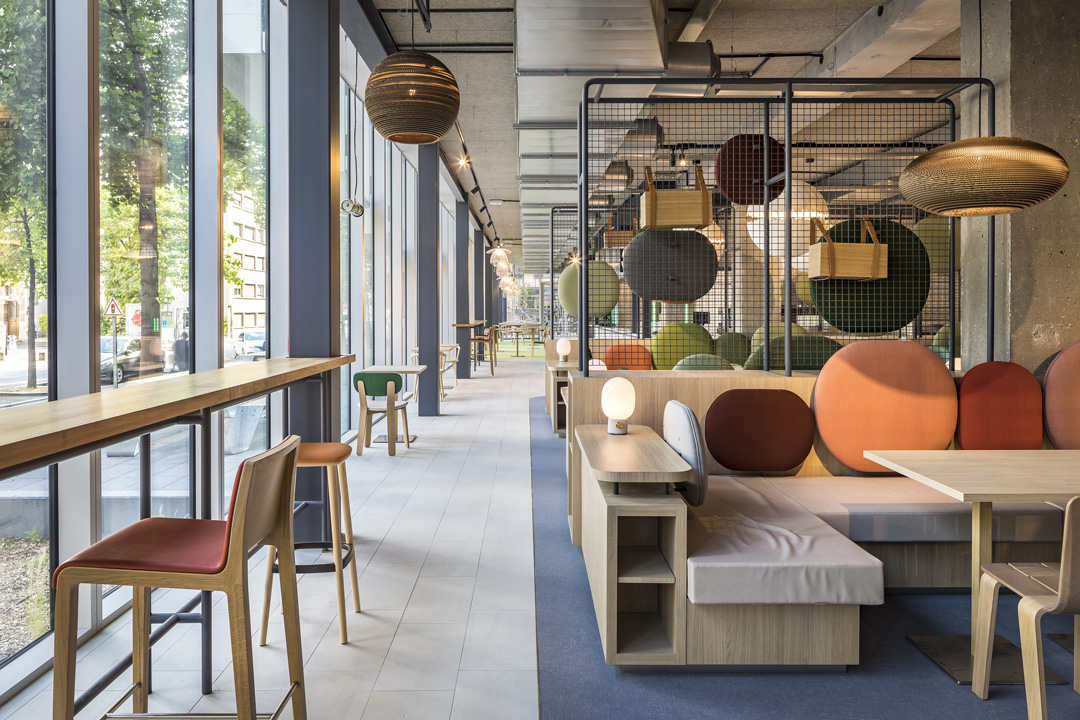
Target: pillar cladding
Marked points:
427	277
1031	52
461	287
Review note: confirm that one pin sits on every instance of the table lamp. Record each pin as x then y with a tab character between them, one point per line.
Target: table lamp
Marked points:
617	400
563	348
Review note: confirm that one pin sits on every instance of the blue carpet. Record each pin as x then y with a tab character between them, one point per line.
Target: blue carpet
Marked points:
893	681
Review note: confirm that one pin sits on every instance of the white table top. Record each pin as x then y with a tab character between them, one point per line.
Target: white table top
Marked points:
989	475
399	369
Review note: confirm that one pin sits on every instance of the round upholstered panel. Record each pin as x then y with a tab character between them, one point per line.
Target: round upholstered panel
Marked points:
1062	407
703	361
670	265
676	341
884	395
758	430
683	433
740	169
603	288
1000	408
733	347
877	306
808	352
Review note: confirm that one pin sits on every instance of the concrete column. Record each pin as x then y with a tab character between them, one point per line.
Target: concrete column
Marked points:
427	276
1030	56
314	194
479	266
461	217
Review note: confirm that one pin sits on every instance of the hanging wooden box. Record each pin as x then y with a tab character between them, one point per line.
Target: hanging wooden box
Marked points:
617	239
669	209
847	261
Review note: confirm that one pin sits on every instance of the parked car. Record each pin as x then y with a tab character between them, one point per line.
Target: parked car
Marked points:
128	358
251	342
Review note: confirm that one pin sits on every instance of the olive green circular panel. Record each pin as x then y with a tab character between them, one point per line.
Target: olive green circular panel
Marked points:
603	289
776	330
802	288
733	347
679	340
808	352
933	230
877	306
941	337
703	361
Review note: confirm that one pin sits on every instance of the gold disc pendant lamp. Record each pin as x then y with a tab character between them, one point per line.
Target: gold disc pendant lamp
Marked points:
412	98
983	176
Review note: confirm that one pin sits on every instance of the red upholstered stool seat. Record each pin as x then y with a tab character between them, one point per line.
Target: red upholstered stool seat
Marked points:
1000	408
628	357
758	430
327	453
159	545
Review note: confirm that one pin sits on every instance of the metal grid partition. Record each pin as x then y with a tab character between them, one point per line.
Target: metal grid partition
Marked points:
564	252
759	225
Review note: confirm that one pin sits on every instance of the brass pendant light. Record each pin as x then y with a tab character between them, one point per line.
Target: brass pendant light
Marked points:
412	98
983	176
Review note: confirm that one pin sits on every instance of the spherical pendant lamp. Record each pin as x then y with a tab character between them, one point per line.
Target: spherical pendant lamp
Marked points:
983	176
412	98
806	204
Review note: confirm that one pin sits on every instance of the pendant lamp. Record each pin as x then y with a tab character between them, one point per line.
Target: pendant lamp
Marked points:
412	98
499	256
983	176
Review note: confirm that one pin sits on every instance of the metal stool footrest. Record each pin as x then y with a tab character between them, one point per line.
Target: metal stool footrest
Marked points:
113	715
322	567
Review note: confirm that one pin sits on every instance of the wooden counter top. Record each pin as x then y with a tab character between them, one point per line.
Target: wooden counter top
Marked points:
640	456
33	431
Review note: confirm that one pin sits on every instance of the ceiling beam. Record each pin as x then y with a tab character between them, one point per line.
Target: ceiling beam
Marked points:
886	37
699	18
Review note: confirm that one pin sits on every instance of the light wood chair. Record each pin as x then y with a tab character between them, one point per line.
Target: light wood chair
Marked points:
192	555
488	342
448	364
1043	588
332	456
372	385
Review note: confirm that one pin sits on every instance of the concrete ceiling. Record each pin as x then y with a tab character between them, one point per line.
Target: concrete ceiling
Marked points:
528	168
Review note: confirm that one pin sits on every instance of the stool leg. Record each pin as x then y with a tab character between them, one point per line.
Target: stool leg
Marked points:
240	632
140	647
367	430
391	428
268	590
290	605
346	515
335	533
65	627
405	424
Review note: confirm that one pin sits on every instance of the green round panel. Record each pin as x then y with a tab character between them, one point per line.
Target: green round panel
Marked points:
808	352
733	347
603	289
702	362
776	330
877	306
802	288
933	230
941	337
942	351
679	340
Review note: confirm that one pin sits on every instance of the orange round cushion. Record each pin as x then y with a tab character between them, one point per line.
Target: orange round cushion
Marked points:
759	430
884	395
1062	399
1000	408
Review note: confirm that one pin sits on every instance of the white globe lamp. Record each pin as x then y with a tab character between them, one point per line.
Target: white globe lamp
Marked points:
617	400
562	347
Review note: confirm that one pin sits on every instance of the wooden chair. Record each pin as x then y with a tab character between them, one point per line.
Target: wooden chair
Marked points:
1043	588
332	456
448	364
192	555
380	385
488	342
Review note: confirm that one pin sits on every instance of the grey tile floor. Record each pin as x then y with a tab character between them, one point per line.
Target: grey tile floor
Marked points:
445	547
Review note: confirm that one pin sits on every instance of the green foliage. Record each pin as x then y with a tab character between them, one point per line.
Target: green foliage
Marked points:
43	325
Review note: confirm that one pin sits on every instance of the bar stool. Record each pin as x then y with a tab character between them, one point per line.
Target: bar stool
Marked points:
332	456
486	342
194	555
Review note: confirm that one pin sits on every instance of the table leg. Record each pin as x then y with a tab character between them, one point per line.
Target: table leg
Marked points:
982	552
206	606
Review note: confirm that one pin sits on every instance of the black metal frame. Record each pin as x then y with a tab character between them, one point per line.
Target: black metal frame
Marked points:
552	277
592	92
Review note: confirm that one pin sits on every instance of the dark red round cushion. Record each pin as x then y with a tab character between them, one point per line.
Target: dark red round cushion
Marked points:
1000	408
757	430
740	169
1062	399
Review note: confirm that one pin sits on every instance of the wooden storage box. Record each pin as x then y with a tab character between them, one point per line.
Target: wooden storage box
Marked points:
847	261
617	239
669	209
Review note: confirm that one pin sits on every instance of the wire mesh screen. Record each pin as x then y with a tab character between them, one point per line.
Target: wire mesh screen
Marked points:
564	253
704	254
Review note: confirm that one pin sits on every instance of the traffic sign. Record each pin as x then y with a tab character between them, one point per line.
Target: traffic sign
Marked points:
113	309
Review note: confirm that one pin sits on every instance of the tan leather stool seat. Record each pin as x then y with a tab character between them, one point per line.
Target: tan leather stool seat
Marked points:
328	453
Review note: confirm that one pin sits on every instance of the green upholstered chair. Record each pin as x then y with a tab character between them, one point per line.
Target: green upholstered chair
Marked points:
372	386
703	361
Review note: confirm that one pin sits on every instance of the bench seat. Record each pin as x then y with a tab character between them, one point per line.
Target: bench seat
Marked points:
899	509
749	543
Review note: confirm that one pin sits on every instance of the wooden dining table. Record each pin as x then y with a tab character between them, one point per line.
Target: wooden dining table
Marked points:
981	478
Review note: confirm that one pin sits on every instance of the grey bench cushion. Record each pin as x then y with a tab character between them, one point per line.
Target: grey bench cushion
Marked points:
899	509
749	543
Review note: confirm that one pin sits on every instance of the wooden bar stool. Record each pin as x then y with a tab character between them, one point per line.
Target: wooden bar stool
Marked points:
488	341
192	555
332	456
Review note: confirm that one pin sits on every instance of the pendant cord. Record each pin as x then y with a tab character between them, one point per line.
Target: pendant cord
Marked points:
979	113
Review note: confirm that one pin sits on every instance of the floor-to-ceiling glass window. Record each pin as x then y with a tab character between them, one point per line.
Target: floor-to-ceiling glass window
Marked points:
145	248
24	319
410	253
369	242
245	109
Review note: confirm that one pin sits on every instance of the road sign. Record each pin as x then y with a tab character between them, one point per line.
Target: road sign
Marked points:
113	309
